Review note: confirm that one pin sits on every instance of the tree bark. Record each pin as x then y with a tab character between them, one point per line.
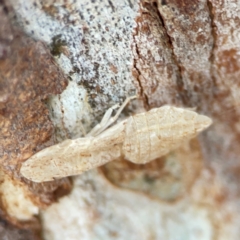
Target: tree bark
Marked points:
64	63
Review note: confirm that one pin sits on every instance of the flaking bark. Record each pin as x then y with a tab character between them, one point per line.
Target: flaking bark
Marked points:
183	53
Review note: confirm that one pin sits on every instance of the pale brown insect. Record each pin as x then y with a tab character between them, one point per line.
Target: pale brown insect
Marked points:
139	139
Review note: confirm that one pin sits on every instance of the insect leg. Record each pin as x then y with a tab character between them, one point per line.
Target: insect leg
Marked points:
107	120
98	128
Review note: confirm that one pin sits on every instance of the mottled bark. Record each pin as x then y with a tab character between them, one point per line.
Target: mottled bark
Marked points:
63	63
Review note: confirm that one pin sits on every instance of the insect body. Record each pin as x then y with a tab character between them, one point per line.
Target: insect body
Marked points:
139	139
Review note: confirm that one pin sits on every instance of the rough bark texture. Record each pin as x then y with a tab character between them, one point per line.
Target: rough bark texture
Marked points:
11	232
28	76
183	52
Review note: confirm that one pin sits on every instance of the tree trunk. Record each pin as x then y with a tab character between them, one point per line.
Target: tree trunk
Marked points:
64	63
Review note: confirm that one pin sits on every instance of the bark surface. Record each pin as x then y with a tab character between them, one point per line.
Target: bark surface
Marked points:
64	63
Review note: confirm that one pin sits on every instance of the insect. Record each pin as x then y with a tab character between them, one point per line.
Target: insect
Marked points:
140	138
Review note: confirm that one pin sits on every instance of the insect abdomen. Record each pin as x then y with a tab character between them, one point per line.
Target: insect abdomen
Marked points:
153	134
